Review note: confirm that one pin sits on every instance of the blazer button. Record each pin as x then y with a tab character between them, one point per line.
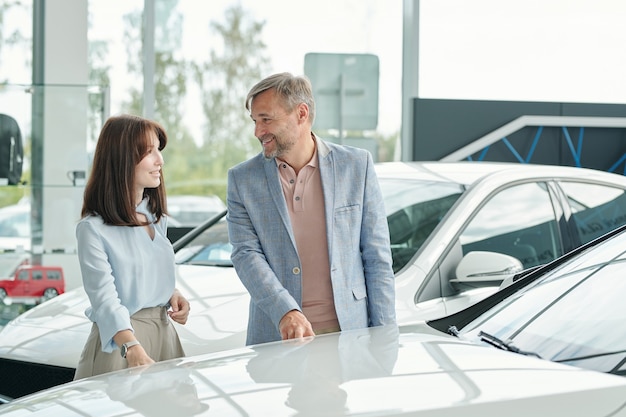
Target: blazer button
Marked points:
295	270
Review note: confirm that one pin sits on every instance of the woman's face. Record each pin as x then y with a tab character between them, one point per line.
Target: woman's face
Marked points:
148	170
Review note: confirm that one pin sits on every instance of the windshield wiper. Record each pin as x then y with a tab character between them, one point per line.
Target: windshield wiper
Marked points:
501	344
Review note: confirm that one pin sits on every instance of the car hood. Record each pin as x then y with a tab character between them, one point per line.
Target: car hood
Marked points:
218	301
374	372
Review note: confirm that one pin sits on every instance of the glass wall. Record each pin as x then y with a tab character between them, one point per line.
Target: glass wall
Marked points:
208	54
190	69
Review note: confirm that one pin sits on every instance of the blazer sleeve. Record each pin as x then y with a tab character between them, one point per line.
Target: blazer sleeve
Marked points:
248	256
376	253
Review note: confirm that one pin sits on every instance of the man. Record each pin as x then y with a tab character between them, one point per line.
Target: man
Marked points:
307	223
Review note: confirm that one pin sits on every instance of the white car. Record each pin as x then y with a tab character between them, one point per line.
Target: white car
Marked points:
192	210
457	230
371	372
15	228
549	343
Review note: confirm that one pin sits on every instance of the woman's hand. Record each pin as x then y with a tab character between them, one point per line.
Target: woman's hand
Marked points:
179	308
137	356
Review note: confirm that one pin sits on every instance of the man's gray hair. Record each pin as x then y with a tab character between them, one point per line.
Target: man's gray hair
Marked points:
292	89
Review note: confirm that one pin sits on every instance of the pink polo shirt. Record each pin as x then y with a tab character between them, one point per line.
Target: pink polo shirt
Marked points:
305	202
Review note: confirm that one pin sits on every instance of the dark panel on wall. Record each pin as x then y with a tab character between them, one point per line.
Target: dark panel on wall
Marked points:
443	126
595	110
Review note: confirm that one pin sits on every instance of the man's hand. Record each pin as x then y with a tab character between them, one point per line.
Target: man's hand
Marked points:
179	308
293	325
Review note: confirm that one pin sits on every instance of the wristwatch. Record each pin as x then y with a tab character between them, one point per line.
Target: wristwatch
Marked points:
125	346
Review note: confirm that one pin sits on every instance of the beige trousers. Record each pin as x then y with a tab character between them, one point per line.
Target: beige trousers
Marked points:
154	331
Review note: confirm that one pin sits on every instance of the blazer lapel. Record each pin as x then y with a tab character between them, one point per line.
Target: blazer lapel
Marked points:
276	191
327	174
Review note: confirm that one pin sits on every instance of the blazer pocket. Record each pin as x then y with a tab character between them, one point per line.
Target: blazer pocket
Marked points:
348	210
359	292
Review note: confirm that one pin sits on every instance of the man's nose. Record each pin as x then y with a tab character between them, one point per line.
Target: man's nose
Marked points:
259	130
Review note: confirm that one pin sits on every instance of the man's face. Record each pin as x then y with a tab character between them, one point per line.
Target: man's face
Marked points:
275	127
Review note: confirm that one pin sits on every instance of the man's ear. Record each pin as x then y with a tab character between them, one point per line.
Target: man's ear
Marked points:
303	112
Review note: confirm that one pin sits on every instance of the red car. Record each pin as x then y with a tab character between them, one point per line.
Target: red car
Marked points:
33	283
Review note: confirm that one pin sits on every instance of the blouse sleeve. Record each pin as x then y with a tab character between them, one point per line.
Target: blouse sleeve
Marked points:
106	309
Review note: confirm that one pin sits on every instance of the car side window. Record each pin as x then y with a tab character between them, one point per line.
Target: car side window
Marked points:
23	275
37	275
519	221
53	275
596	209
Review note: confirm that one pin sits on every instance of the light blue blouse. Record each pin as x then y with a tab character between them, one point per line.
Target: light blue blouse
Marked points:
123	271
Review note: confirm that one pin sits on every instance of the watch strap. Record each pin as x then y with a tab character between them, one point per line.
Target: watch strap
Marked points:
127	345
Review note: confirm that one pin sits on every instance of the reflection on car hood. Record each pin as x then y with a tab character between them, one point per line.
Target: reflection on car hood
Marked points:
373	372
218	301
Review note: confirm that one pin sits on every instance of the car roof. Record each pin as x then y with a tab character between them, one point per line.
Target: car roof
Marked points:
193	201
379	371
14	209
30	266
468	172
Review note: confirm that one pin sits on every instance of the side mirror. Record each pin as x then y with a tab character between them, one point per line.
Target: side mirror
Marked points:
485	269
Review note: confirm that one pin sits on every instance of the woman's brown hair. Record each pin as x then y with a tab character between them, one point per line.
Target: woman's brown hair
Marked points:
124	141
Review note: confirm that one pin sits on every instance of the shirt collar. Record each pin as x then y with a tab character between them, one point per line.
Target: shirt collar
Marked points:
312	162
142	208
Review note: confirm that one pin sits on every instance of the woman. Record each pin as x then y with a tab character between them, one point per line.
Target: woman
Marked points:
126	259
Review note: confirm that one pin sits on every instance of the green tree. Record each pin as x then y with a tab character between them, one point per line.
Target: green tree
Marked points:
224	82
387	146
198	165
99	78
15	38
170	78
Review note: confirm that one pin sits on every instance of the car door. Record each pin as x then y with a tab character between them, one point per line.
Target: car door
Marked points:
23	283
519	220
592	209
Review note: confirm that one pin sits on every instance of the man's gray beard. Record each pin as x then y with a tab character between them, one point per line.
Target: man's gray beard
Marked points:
278	151
271	155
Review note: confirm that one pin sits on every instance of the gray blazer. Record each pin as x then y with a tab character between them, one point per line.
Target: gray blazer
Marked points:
264	249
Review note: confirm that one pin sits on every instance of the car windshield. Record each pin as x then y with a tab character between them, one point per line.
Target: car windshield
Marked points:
414	208
574	314
211	247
